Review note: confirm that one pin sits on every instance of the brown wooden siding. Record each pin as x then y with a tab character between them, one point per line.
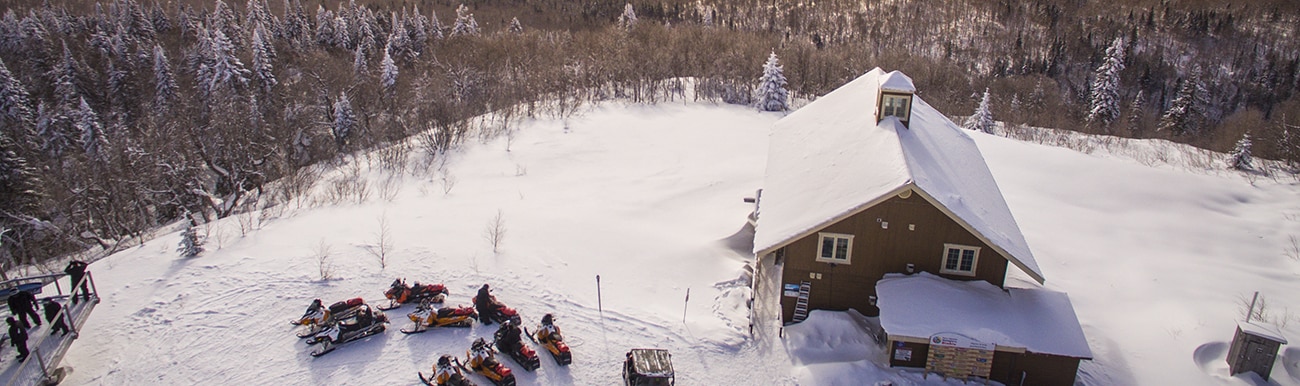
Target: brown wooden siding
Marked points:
919	353
877	251
1034	369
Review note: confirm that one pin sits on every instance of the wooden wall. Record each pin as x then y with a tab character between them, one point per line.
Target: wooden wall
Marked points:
1034	369
877	251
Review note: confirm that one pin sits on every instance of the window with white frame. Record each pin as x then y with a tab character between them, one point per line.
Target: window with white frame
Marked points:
895	105
960	259
834	248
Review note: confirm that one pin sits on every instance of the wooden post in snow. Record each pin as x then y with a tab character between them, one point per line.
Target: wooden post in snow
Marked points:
686	303
1251	311
599	308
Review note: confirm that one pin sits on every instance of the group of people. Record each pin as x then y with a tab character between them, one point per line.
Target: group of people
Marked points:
507	337
23	304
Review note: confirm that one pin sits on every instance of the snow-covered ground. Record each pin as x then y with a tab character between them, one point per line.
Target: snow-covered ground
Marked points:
1156	261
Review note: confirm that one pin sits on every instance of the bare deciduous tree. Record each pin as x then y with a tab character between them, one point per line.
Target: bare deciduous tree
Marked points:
495	232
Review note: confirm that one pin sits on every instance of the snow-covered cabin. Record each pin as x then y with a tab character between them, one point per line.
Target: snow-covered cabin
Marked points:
870	180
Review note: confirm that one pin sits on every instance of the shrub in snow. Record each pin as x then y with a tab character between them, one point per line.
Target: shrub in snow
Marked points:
772	95
191	245
515	27
1240	158
982	120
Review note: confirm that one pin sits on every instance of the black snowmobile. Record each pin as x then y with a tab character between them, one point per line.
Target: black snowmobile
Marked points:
365	322
509	340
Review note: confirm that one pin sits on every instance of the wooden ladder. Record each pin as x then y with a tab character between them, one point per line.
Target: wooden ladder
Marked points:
801	306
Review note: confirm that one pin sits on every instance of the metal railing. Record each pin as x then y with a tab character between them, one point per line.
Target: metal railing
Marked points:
44	370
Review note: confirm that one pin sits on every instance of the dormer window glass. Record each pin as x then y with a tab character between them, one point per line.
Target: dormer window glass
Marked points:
896	105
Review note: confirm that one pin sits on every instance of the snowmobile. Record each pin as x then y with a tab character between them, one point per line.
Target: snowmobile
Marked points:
317	317
364	322
498	311
425	316
508	341
483	360
399	293
446	375
548	335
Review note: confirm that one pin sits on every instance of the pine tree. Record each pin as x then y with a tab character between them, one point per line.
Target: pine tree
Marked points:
982	120
1184	113
1105	87
325	27
93	141
191	244
359	66
343	33
263	57
418	28
345	121
66	74
164	82
1240	158
219	70
515	27
15	102
465	24
435	26
389	76
19	181
628	18
1136	112
772	95
53	128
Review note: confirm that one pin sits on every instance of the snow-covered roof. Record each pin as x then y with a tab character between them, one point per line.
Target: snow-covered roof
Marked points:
1262	331
1036	320
898	82
831	159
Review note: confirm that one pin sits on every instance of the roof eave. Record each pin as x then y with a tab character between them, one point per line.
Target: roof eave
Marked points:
817	227
1038	277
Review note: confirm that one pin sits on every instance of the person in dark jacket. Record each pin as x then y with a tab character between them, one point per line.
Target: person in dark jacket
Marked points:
23	304
76	269
18	338
483	302
52	309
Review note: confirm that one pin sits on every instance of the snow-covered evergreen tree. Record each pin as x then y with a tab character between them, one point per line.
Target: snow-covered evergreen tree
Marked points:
435	26
263	57
345	121
19	181
93	140
164	81
465	24
418	28
1240	158
53	127
1105	87
359	60
1136	112
15	102
161	22
388	77
219	70
343	33
772	95
325	27
66	74
191	244
628	18
982	119
1184	113
515	27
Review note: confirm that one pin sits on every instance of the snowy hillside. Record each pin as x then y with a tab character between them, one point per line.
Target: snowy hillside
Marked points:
1155	261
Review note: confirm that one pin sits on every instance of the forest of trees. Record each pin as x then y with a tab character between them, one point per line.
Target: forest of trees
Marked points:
118	116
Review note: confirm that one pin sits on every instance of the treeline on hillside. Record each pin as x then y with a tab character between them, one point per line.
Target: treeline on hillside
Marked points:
119	116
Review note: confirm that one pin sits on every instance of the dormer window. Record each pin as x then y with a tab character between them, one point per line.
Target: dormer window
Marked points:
895	105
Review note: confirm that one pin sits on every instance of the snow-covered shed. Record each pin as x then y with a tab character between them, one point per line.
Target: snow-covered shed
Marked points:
870	180
1025	336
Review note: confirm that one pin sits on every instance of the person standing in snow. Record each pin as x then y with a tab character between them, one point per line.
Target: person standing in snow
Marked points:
18	338
23	304
52	309
484	304
76	269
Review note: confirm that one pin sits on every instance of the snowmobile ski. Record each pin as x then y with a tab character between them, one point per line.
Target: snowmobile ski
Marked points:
413	331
